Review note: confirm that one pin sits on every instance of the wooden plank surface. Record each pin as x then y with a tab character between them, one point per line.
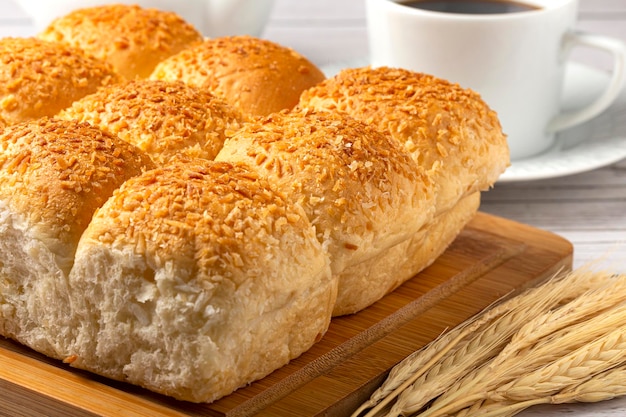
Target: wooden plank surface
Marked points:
491	258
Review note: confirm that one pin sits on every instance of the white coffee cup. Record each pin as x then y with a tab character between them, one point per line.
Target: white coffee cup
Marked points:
214	18
515	61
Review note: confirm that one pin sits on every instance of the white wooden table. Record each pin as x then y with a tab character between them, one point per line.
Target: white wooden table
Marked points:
588	208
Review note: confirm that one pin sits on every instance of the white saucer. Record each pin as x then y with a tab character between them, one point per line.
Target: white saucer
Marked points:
597	143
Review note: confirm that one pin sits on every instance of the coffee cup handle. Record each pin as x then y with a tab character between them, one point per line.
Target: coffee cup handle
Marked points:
618	50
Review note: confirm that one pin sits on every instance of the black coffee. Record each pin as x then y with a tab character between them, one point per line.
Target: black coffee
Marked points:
470	6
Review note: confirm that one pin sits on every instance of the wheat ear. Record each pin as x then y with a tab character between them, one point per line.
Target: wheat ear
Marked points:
583	307
593	358
417	364
405	375
602	387
480	348
504	365
505	319
413	366
417	361
474	386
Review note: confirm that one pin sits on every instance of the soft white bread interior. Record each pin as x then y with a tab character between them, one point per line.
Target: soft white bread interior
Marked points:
448	129
255	75
196	279
361	190
39	78
163	119
53	176
131	38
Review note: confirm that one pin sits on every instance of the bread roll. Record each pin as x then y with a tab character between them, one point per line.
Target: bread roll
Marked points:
448	129
39	78
360	189
53	176
196	279
164	119
405	260
257	76
131	38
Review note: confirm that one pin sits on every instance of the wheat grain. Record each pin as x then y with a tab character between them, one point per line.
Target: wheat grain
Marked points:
581	308
506	319
411	368
407	371
415	364
602	387
474	386
483	346
595	357
559	305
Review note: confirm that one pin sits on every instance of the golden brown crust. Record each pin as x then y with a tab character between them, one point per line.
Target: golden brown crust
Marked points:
393	267
360	189
445	127
164	119
257	76
39	78
57	173
156	212
131	38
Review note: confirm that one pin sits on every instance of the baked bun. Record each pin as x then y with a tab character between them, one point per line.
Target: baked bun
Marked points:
448	129
195	279
164	119
257	76
54	174
131	38
39	78
360	189
406	259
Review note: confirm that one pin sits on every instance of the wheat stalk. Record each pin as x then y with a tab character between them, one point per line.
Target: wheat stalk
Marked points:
499	323
414	366
602	387
495	409
483	346
595	357
423	376
411	368
583	307
476	384
534	382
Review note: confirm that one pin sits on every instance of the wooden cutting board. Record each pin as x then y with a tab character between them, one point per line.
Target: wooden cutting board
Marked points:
490	259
